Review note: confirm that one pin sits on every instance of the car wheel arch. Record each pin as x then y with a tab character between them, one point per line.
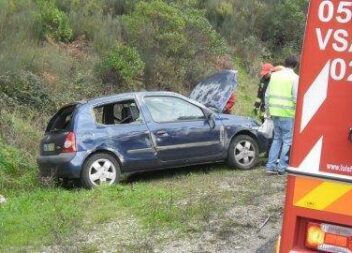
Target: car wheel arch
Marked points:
114	154
243	132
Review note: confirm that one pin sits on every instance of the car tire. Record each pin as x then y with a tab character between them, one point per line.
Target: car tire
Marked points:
243	152
100	169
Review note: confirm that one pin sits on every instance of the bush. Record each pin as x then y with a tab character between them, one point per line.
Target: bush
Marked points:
123	63
18	43
259	30
283	27
26	89
119	7
178	45
52	22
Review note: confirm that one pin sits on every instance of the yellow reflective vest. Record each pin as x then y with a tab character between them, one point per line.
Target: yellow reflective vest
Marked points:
281	102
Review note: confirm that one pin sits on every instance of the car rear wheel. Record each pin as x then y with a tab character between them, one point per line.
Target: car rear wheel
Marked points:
243	152
100	169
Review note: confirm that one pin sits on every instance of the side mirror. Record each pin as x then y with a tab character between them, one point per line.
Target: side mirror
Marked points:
210	118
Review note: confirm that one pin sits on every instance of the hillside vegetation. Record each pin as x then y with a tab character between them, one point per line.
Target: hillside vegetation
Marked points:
53	52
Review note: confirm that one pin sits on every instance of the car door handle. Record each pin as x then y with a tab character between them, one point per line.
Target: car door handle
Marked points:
161	133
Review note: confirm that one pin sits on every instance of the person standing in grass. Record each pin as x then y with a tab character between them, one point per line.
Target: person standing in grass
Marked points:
280	101
259	105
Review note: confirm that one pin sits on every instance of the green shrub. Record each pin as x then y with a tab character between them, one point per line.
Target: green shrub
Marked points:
283	27
119	7
85	16
177	44
123	63
259	30
15	171
18	43
26	89
52	22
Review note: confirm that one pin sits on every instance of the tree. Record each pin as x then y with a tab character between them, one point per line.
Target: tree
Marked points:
178	45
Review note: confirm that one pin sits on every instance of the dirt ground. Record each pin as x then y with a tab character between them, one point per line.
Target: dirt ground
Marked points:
250	222
243	228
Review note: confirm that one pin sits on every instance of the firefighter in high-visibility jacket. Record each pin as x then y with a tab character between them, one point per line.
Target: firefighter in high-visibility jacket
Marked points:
265	74
280	101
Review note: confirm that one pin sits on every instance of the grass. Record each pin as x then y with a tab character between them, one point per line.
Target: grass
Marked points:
37	218
182	201
49	216
246	93
15	173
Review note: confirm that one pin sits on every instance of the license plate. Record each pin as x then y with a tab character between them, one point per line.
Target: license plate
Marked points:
49	147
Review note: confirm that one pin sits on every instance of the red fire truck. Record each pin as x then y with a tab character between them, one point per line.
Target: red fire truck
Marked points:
318	208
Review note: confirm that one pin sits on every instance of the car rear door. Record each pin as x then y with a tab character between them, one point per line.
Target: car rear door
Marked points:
121	128
180	131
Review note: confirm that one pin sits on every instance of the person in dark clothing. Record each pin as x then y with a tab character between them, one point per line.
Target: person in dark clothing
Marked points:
265	74
259	105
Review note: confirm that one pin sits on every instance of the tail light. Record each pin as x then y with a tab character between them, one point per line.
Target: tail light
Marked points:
70	143
329	238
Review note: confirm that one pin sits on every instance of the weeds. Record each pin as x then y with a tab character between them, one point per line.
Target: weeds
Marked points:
53	22
22	132
15	173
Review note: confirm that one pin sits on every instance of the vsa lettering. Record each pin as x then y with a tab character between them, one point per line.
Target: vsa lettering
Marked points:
341	12
339	40
340	70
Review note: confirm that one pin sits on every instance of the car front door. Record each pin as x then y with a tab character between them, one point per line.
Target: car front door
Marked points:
181	132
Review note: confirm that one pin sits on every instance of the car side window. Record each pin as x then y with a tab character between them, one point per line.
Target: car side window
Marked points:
169	109
124	112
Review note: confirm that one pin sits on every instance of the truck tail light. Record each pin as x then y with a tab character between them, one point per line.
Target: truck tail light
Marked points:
70	143
329	238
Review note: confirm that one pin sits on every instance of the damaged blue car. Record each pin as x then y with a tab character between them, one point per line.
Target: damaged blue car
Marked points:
97	140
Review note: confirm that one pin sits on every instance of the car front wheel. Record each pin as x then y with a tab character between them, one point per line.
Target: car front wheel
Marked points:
243	152
100	169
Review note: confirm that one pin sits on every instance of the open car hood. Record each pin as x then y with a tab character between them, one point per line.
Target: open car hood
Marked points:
216	90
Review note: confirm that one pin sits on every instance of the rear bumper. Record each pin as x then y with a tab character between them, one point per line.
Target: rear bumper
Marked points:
66	165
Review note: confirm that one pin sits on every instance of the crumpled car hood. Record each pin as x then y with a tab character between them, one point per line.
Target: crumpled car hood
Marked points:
215	91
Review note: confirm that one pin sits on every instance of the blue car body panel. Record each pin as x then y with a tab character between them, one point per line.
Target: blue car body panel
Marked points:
146	144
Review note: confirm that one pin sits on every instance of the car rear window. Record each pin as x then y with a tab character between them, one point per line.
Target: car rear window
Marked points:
122	112
62	119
